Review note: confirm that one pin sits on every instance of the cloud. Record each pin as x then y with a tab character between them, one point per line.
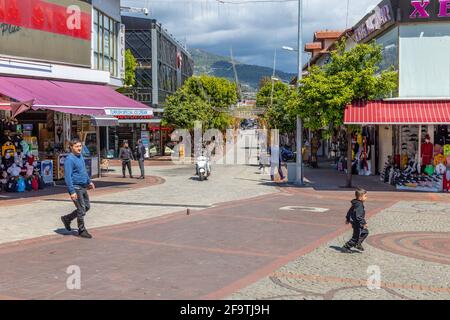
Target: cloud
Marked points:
254	31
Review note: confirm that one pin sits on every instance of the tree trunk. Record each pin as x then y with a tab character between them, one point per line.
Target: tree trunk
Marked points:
349	158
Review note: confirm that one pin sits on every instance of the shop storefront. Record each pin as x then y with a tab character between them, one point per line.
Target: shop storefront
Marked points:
413	147
154	137
410	136
35	133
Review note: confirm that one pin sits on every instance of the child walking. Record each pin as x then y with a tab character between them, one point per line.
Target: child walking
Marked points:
356	216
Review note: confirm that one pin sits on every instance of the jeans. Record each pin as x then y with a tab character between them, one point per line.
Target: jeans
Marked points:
359	235
125	164
141	167
83	205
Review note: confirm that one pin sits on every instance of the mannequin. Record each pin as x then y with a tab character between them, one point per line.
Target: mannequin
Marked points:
426	152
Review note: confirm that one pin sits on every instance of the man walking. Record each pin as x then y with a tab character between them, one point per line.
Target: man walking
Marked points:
78	183
126	155
140	154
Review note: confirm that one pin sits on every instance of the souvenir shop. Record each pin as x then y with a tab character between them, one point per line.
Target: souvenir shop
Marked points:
363	150
34	145
412	142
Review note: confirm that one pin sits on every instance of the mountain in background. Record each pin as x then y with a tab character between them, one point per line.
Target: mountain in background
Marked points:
220	66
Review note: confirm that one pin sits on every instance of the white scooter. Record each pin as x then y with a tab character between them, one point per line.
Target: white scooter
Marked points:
203	168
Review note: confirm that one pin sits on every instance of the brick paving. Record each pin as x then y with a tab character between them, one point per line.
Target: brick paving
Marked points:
409	243
240	249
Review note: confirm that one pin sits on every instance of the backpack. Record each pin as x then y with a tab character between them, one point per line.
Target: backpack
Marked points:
11	185
35	183
29	184
41	182
21	185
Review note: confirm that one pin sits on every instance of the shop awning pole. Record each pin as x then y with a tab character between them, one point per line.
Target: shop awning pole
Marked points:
420	150
99	157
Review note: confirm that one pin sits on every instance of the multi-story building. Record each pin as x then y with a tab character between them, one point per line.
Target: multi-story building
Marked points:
163	66
414	37
60	63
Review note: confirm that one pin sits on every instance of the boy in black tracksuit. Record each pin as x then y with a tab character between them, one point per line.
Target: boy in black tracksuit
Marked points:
356	216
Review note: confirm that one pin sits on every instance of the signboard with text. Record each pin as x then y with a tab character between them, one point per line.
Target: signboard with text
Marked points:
51	30
390	11
130	113
381	17
424	10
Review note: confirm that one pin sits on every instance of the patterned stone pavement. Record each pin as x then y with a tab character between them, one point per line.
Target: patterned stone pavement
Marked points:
409	246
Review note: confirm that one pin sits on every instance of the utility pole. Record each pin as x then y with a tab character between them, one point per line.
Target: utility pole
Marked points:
299	171
273	76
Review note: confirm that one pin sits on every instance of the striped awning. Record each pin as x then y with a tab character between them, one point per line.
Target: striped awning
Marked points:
398	112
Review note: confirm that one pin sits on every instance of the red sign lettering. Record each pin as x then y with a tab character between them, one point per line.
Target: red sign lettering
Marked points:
47	17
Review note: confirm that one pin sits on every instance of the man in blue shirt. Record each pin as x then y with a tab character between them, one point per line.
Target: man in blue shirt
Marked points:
78	183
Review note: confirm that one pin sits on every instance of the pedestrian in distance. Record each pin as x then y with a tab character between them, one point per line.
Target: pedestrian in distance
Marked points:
126	155
78	183
356	217
140	155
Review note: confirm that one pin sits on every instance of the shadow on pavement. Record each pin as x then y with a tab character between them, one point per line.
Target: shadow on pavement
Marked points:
60	188
64	232
341	250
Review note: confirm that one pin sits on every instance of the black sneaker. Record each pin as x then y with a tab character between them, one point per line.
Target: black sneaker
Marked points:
346	249
359	247
85	234
66	223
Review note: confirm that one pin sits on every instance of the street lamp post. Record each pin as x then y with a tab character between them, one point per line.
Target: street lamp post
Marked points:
299	138
299	170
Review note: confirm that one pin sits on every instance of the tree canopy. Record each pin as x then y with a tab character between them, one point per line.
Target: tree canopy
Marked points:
350	75
204	99
277	115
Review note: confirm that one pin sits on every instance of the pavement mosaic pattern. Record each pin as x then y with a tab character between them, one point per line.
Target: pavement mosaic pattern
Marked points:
408	246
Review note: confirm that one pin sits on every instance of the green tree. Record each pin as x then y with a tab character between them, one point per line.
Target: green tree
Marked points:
206	99
351	75
130	69
277	115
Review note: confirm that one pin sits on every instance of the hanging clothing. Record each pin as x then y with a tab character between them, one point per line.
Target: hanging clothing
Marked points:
427	153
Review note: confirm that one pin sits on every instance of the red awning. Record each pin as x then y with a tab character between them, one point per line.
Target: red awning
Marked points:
398	112
68	97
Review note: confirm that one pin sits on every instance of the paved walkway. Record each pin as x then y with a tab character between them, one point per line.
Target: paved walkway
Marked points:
207	254
245	238
130	200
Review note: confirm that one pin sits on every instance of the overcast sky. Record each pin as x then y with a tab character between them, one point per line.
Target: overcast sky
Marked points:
254	30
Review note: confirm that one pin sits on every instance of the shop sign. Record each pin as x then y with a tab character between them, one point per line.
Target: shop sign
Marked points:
64	26
122	51
130	113
418	10
381	17
47	171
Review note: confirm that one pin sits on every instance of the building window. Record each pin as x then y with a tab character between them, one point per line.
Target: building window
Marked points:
105	43
389	46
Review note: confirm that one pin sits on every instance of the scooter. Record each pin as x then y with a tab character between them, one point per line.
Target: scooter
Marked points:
203	168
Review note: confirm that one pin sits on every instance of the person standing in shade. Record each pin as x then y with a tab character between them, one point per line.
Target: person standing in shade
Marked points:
78	183
140	154
126	155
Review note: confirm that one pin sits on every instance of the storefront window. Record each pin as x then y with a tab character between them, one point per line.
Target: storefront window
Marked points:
389	44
